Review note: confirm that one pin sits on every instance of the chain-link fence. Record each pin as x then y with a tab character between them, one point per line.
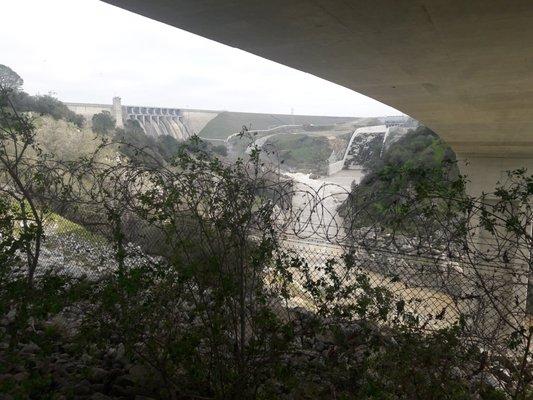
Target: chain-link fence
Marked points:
489	298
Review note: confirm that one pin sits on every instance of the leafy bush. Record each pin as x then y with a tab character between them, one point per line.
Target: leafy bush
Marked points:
21	183
417	163
47	105
9	79
64	141
155	151
214	315
9	243
103	123
11	83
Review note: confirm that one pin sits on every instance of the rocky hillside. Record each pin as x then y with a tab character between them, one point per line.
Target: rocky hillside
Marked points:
368	146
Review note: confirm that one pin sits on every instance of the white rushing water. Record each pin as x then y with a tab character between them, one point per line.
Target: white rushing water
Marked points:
316	201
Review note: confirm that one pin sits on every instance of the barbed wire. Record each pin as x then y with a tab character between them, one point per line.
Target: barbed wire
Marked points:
422	251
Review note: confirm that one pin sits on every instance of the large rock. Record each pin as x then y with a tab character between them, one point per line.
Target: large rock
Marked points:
97	374
30	348
21	376
9	317
99	396
124	381
65	325
83	388
139	374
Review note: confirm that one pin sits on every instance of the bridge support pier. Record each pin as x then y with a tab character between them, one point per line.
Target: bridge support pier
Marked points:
500	267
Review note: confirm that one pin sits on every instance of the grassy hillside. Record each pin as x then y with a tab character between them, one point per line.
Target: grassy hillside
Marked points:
227	122
301	152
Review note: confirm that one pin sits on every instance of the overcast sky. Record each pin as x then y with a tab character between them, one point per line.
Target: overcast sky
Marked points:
89	51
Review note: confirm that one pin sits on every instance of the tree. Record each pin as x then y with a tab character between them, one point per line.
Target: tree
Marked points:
49	105
20	180
168	146
9	79
419	159
136	145
103	122
11	83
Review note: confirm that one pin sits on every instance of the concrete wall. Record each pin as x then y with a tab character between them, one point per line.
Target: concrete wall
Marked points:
335	167
88	109
196	120
193	120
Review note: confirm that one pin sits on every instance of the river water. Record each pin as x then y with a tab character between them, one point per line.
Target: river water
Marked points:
315	203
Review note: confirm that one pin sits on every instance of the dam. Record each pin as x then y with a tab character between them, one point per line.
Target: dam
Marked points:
155	121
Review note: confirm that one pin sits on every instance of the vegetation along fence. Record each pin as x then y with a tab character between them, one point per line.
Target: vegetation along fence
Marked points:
228	280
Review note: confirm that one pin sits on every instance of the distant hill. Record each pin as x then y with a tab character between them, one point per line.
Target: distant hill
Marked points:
227	122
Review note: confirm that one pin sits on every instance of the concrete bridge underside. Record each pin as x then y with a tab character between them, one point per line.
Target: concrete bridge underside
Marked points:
463	68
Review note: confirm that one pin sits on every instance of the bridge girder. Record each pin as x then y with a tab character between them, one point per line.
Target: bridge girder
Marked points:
463	68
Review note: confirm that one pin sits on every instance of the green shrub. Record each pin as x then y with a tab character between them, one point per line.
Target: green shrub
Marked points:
103	123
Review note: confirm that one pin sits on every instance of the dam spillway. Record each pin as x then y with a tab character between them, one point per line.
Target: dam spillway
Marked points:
157	121
154	121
